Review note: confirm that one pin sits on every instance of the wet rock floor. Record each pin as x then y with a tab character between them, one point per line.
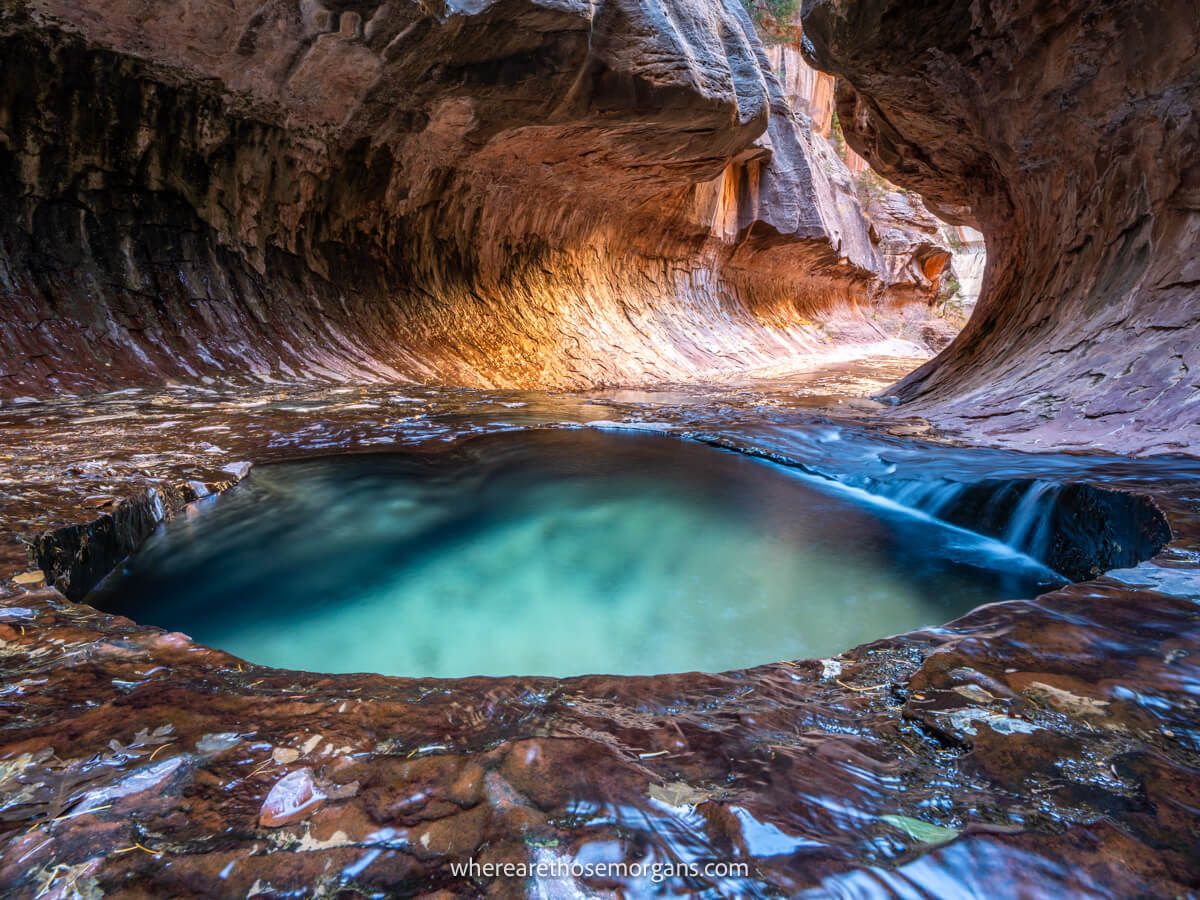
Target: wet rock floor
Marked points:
1048	744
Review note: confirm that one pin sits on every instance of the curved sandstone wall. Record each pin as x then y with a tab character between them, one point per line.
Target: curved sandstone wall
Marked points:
530	193
1069	133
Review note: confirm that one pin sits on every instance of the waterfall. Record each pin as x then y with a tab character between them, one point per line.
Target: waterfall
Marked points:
1017	512
1029	523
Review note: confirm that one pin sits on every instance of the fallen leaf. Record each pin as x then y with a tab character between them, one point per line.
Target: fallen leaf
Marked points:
1067	702
678	794
924	832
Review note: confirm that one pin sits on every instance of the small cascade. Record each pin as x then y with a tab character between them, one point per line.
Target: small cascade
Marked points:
1075	529
932	497
1029	523
1017	512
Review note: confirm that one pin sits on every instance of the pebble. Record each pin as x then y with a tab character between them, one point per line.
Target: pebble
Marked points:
293	798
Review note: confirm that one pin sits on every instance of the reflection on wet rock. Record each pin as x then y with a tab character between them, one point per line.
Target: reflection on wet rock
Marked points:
1030	742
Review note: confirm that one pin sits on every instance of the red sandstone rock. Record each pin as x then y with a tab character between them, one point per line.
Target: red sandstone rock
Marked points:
1069	133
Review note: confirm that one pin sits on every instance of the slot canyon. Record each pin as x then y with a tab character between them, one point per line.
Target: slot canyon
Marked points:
613	448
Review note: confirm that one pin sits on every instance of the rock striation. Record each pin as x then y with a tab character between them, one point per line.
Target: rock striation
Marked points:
522	193
1068	132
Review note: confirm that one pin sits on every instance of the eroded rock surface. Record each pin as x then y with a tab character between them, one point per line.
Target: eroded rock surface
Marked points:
504	194
341	191
1042	745
1068	132
1047	744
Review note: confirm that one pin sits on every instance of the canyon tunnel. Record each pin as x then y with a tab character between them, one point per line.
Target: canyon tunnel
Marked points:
749	444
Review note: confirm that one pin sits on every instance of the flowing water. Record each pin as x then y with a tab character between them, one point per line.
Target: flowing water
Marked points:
554	552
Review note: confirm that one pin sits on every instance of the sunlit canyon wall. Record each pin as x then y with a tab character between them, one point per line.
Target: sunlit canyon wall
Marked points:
518	193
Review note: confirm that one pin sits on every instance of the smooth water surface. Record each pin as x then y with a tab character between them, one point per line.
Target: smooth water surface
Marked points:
554	552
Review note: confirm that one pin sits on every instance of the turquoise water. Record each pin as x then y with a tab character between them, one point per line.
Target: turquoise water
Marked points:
553	553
